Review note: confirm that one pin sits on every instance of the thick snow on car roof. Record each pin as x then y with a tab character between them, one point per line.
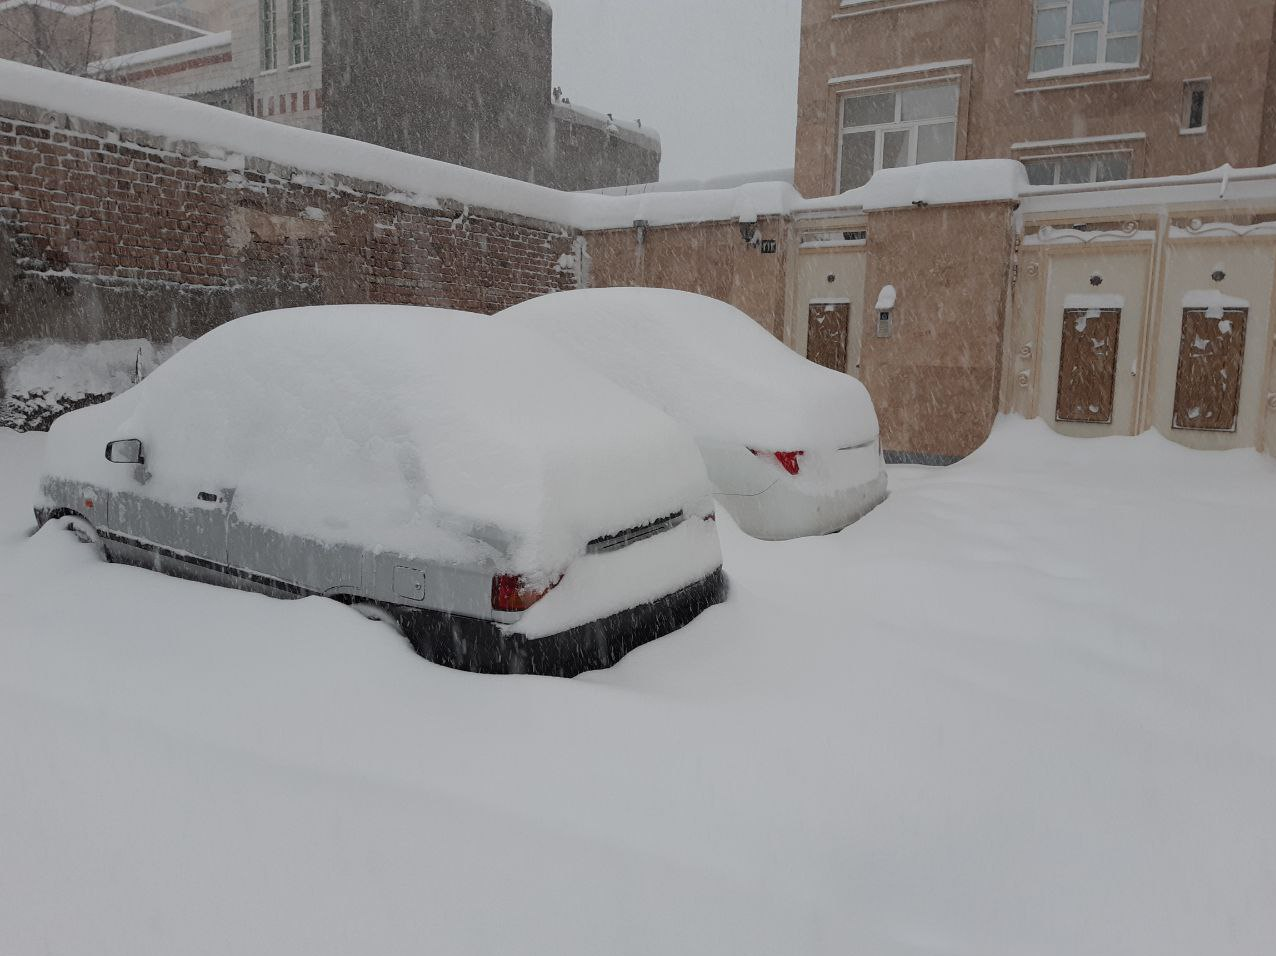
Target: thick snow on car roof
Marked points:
396	427
707	364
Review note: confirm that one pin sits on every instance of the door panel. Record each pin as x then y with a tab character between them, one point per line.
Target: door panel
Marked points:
173	535
1211	358
828	330
288	563
1087	366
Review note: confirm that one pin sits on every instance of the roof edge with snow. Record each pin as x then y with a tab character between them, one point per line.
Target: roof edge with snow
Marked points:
169	51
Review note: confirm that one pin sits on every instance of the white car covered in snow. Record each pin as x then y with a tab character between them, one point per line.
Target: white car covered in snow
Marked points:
465	480
792	447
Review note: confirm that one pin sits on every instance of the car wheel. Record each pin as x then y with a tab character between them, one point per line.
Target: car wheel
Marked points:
85	533
375	612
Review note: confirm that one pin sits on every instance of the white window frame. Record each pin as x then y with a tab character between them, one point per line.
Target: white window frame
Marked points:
898	125
298	32
1072	30
268	22
1190	87
1094	157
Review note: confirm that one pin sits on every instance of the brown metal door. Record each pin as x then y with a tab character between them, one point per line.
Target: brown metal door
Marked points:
1087	365
1211	356
827	332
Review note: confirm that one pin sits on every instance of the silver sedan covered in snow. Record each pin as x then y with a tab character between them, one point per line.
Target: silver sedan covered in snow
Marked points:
471	484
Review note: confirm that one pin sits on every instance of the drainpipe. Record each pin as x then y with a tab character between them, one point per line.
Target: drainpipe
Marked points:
1008	328
1145	369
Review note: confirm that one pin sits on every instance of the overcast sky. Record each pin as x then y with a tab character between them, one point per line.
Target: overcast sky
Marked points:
717	78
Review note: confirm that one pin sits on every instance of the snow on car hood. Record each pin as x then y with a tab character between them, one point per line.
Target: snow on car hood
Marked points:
708	365
394	427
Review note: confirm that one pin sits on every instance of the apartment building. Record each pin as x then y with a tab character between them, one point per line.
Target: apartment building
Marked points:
467	82
1079	91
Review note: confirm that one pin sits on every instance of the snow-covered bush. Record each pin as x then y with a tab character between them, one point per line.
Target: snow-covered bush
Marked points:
41	381
35	411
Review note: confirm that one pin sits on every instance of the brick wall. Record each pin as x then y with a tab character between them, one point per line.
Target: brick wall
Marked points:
107	235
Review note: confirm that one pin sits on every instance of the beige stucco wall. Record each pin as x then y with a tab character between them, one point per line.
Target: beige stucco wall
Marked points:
847	268
1153	270
1124	269
936	380
1251	270
708	258
1002	107
981	291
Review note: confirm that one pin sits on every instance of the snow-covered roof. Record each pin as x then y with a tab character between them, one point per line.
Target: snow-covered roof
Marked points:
169	51
622	129
80	9
731	181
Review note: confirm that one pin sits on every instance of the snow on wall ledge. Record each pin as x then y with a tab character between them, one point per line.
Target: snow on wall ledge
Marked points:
230	137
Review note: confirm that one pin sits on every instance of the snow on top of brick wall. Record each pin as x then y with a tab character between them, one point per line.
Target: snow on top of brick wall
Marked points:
227	136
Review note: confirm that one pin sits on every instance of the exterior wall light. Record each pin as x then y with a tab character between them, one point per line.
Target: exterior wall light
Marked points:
886	311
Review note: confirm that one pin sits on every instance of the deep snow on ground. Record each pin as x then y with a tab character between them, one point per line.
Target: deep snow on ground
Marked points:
1025	707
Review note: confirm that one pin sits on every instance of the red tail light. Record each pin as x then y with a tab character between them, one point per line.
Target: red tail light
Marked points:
788	459
511	594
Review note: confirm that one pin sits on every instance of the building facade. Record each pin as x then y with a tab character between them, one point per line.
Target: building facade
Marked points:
467	82
77	37
1077	90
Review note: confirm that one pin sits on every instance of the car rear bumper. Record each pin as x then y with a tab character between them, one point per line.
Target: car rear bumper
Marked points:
783	511
481	646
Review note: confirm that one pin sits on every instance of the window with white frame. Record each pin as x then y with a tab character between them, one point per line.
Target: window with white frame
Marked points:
1195	106
299	31
1086	34
1078	168
269	49
899	127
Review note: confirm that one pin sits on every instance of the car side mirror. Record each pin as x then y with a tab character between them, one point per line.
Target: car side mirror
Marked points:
128	452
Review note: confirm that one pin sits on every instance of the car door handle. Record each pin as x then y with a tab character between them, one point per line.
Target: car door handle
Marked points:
209	497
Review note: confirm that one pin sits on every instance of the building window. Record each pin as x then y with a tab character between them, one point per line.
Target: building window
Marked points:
905	127
269	51
1195	105
299	31
1078	169
1086	34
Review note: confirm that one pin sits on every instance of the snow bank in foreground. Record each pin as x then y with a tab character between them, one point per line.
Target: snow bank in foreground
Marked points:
1025	706
395	426
707	364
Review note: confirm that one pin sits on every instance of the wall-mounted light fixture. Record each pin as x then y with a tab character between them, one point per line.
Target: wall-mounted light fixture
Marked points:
886	311
749	231
640	226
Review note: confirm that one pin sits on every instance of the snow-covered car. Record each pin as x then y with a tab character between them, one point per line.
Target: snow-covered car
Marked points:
792	447
464	480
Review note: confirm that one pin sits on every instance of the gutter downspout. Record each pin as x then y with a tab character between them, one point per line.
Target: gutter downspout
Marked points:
1145	368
